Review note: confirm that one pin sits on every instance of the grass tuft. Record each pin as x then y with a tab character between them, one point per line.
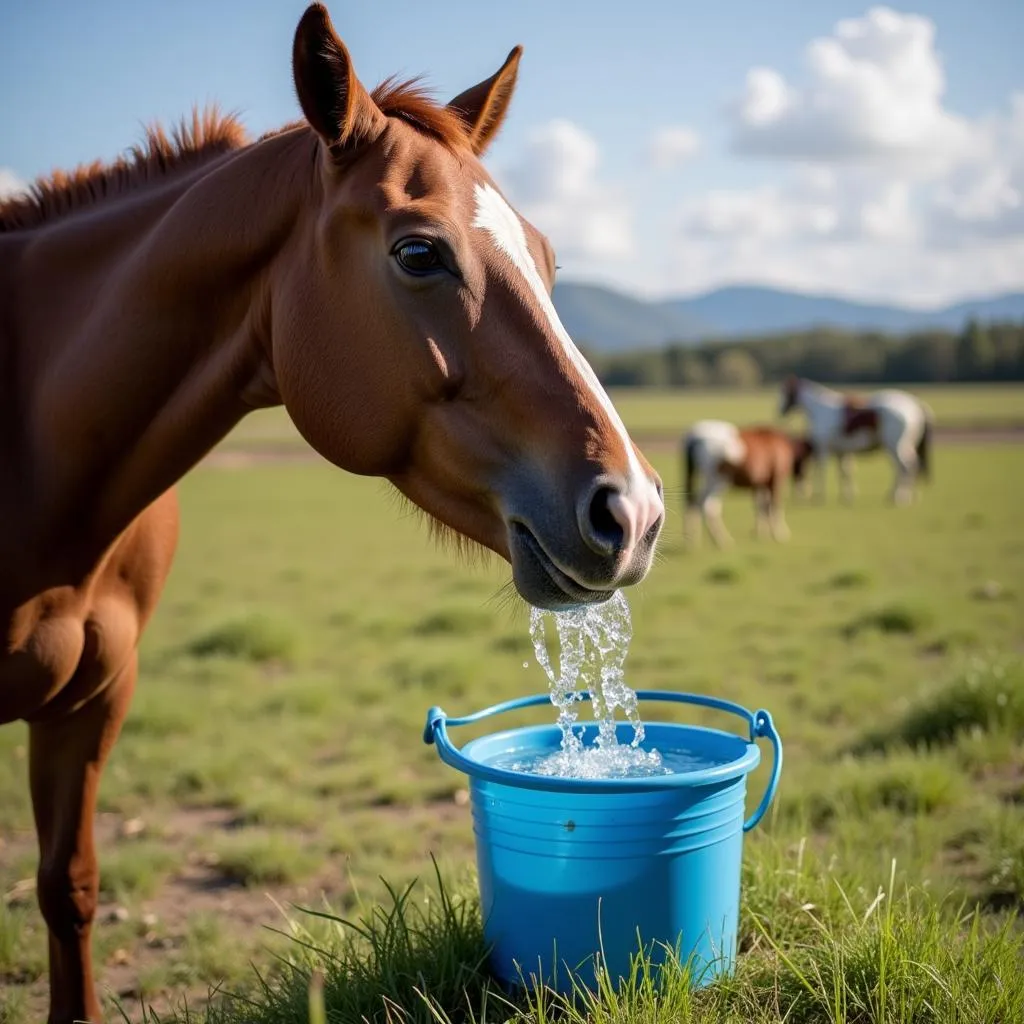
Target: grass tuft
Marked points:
265	859
849	579
397	963
134	869
723	575
986	698
256	638
894	618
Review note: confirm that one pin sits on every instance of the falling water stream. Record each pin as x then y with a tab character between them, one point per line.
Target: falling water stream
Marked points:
592	645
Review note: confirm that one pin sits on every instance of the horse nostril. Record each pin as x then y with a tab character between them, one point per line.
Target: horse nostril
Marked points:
605	530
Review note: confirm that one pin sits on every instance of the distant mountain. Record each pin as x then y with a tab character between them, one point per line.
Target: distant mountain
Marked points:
606	320
752	310
609	321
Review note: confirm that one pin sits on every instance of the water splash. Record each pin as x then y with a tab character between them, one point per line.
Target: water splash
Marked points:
593	643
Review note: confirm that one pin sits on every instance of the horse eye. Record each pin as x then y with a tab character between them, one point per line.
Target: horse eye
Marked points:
418	256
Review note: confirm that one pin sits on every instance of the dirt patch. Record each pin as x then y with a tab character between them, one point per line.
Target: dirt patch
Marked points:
196	888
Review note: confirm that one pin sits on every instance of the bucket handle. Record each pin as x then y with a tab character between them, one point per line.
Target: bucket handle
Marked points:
759	723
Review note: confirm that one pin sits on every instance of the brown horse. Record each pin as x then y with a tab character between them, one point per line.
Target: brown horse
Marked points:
760	459
359	267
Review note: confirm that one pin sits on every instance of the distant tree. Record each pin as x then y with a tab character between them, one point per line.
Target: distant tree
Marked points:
980	352
687	369
923	356
639	369
976	353
736	368
1008	341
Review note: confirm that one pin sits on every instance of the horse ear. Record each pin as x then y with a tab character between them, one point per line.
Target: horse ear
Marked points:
332	98
483	107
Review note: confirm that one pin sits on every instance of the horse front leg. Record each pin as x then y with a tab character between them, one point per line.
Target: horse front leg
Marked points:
776	517
847	488
693	522
820	473
66	759
762	512
905	460
712	506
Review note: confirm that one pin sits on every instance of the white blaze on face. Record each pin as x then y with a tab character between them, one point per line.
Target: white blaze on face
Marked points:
496	217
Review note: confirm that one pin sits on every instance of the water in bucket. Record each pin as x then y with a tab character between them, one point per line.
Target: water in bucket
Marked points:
593	643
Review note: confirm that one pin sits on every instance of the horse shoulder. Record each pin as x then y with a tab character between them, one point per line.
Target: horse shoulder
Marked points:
65	643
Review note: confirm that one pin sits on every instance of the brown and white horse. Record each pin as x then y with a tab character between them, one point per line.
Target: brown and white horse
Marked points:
359	267
844	425
723	455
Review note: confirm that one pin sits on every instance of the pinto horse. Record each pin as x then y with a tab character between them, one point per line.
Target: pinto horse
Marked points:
760	459
844	424
359	267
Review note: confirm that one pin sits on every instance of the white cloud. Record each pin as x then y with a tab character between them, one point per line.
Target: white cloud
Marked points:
767	98
866	270
763	213
874	91
672	146
984	196
10	183
861	232
555	184
879	190
814	205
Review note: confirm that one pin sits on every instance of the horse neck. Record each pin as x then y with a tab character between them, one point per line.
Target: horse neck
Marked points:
814	397
159	343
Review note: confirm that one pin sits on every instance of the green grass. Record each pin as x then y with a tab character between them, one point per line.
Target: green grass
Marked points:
308	625
135	869
884	955
656	411
256	638
986	698
895	617
262	859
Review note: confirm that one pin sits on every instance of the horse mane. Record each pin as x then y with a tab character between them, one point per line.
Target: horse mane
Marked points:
193	141
409	101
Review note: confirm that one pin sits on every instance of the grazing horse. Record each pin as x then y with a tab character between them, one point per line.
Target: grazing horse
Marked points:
844	424
760	459
359	267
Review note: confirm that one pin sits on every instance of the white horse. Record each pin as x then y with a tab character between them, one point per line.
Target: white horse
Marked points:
843	425
722	455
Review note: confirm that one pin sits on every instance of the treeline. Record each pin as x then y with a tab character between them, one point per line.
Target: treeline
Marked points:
980	352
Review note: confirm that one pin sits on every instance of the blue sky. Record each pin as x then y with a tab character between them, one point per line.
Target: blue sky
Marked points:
885	161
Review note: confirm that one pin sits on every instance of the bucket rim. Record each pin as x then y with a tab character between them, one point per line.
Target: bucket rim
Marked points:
759	723
727	771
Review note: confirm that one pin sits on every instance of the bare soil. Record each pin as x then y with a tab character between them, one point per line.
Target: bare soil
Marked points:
196	887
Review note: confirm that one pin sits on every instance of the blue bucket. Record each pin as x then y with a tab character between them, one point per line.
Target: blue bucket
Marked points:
574	873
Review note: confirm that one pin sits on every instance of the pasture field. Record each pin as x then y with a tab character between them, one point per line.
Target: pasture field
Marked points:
648	411
273	756
964	406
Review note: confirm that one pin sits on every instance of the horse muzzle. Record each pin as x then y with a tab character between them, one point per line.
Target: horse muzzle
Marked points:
565	561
